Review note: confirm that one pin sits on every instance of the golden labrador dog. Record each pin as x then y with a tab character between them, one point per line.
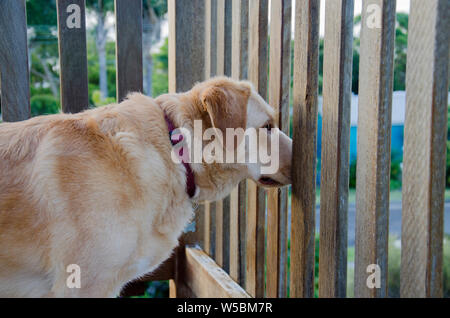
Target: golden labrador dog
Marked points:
101	191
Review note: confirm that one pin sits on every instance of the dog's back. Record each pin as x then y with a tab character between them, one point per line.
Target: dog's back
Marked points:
85	189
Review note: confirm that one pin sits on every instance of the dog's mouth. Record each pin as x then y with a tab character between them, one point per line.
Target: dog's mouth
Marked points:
269	182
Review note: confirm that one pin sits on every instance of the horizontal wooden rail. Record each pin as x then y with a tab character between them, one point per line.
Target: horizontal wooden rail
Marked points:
206	279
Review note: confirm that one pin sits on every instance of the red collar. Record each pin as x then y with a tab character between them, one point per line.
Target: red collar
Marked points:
190	178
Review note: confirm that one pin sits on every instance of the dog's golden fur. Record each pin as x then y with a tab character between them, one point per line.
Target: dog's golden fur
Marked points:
99	189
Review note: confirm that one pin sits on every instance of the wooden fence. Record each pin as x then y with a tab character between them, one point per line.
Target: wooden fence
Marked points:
240	247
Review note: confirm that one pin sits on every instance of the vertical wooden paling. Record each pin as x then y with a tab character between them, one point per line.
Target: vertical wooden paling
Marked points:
14	74
224	30
256	209
186	67
337	80
374	145
186	44
425	149
279	81
73	55
305	91
129	76
210	71
238	195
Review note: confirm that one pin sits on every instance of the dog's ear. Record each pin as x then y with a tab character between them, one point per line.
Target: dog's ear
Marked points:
226	104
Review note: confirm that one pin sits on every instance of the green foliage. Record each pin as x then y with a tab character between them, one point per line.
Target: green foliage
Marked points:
159	6
104	5
98	101
41	12
394	268
156	290
396	172
160	70
44	105
94	70
401	42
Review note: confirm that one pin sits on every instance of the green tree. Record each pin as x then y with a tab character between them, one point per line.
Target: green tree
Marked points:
153	16
401	43
160	72
101	8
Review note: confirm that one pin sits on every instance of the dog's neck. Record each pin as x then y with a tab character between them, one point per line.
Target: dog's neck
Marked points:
212	181
190	177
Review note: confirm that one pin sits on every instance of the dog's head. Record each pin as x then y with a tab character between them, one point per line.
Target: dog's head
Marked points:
240	138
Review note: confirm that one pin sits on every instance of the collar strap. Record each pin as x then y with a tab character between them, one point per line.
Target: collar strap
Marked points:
190	178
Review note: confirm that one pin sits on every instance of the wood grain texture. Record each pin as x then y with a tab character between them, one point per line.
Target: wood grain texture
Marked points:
279	84
239	70
206	279
224	37
425	149
224	47
207	230
212	248
337	79
129	76
186	67
210	71
210	38
72	57
219	233
226	234
256	208
376	73
305	101
14	73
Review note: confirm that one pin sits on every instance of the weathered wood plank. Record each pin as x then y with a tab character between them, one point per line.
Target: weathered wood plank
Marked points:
224	38
186	67
376	75
305	90
73	55
210	38
425	149
256	209
337	77
239	70
210	71
207	280
129	76
226	234
219	233
279	80
14	73
212	248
